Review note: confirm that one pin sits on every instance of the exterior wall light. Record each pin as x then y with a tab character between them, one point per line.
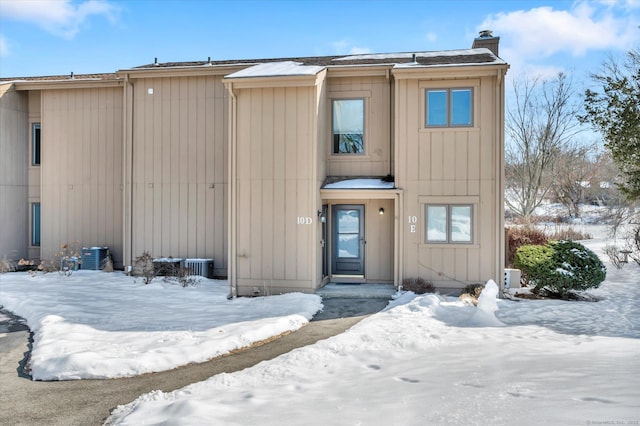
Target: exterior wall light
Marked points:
381	211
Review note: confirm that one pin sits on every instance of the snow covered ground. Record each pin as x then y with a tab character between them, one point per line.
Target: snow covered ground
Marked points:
101	325
433	360
424	360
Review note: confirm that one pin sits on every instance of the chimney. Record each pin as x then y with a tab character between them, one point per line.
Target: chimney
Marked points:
487	40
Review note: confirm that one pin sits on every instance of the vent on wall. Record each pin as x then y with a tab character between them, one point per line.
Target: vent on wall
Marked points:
202	267
512	278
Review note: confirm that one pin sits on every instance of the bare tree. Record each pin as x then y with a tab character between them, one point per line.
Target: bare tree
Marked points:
604	190
576	176
540	122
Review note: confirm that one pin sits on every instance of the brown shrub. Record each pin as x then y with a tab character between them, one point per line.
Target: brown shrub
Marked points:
568	234
418	285
520	236
471	293
7	265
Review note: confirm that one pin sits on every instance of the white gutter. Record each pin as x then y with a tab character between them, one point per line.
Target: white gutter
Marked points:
500	246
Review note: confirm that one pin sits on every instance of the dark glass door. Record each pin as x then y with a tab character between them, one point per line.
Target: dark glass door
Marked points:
348	240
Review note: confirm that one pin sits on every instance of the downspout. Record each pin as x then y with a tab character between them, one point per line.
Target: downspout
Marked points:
231	251
391	113
399	201
128	129
315	105
500	249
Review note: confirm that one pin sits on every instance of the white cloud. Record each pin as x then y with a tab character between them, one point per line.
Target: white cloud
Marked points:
431	37
628	4
359	50
345	47
543	72
60	17
4	46
543	31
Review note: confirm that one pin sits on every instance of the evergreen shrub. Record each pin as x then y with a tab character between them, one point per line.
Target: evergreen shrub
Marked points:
560	268
519	236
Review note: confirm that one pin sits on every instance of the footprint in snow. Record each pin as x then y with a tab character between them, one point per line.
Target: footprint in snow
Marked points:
407	380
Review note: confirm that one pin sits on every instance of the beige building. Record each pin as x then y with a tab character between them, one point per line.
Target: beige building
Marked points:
289	173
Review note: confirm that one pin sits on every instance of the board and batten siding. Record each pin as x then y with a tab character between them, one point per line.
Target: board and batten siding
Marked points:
450	166
35	116
376	92
179	158
277	190
81	167
14	162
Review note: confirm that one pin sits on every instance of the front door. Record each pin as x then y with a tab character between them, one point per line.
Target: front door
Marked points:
348	240
325	241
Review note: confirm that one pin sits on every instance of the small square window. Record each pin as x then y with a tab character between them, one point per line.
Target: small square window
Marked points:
449	107
35	144
449	224
348	126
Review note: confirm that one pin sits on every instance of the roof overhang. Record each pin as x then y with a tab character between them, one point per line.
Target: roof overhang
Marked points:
449	71
277	69
358	187
189	71
372	70
347	194
277	74
70	83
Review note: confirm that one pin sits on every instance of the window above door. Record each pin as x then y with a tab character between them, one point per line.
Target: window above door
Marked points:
348	126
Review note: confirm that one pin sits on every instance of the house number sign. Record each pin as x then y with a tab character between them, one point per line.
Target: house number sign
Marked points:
304	220
412	223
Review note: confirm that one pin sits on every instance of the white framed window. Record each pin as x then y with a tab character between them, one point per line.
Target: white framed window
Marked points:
449	107
348	126
449	223
35	144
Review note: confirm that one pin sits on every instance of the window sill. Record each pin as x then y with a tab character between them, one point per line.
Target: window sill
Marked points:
448	246
349	157
449	129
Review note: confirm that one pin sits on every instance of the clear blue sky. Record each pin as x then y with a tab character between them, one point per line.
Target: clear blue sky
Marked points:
50	37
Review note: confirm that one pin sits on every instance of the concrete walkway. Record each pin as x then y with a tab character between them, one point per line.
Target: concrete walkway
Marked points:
89	402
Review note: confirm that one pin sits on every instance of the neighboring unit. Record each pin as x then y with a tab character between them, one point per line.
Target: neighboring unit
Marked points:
287	173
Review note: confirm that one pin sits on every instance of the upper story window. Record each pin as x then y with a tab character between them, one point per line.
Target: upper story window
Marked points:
35	144
449	107
348	126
